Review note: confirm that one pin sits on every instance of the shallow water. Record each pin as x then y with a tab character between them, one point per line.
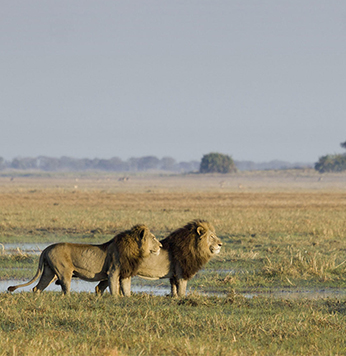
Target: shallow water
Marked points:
78	285
30	248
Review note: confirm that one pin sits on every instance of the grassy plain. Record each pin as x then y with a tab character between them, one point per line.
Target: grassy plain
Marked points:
83	324
280	230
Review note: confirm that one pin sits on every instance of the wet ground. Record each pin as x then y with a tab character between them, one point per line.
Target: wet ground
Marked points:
31	248
84	286
79	286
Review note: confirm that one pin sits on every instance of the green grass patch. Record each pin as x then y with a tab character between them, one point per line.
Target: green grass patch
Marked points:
84	324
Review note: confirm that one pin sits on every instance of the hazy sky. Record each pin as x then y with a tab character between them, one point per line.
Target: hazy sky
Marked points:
258	80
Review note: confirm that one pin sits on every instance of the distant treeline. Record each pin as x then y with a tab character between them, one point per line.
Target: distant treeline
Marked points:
51	164
271	165
115	164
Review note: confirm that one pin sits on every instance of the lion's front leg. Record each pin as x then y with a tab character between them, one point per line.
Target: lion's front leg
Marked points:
178	287
113	280
181	287
125	285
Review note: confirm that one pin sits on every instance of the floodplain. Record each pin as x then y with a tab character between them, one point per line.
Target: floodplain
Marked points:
283	234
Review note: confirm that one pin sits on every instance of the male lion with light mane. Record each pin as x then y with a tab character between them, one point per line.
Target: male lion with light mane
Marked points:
112	261
184	252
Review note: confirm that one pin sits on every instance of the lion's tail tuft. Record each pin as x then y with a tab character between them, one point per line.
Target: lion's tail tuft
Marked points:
37	275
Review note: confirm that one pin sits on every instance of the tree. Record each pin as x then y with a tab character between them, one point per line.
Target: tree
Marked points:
167	163
48	164
191	166
148	162
113	164
217	163
24	163
2	163
332	163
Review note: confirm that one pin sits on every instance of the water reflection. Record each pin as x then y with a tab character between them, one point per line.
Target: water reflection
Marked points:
30	248
78	285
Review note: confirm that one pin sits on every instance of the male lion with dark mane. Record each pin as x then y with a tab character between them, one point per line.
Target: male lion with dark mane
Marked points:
184	252
112	261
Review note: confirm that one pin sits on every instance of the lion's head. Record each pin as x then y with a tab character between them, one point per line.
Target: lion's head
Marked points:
150	245
192	246
133	245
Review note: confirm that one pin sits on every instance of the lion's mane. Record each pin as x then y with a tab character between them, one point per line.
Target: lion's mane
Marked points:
187	248
129	248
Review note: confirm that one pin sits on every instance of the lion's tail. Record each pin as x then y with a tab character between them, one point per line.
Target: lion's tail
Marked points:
37	275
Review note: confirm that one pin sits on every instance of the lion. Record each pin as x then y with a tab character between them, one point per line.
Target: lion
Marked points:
112	261
184	252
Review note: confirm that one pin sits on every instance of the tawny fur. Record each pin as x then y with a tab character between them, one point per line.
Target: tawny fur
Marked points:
184	252
116	259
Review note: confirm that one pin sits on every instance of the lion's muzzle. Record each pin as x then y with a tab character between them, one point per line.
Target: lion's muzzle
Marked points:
216	249
157	250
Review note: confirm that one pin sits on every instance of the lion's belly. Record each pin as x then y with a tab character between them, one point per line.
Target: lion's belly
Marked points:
90	264
156	266
90	276
90	271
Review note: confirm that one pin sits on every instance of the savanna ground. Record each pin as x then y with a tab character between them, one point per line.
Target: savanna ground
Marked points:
281	231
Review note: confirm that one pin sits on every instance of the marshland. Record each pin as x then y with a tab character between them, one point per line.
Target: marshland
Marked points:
277	287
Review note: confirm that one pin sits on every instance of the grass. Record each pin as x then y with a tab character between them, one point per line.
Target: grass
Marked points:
84	324
33	212
280	231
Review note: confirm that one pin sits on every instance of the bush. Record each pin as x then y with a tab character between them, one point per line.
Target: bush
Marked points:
217	163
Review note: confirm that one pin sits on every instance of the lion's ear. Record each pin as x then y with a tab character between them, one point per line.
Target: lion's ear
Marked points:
200	230
142	233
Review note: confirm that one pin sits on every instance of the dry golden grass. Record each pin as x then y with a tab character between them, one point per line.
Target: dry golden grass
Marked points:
279	229
272	203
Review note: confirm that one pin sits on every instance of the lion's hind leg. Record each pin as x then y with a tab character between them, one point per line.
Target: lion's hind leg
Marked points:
65	281
101	287
46	279
174	289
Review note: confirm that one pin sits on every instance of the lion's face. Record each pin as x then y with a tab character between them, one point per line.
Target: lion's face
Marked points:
209	240
150	245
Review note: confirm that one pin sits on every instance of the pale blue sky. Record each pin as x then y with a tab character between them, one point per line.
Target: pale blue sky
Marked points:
258	80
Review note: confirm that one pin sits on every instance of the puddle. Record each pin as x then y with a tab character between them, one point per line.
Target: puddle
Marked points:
30	248
78	285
